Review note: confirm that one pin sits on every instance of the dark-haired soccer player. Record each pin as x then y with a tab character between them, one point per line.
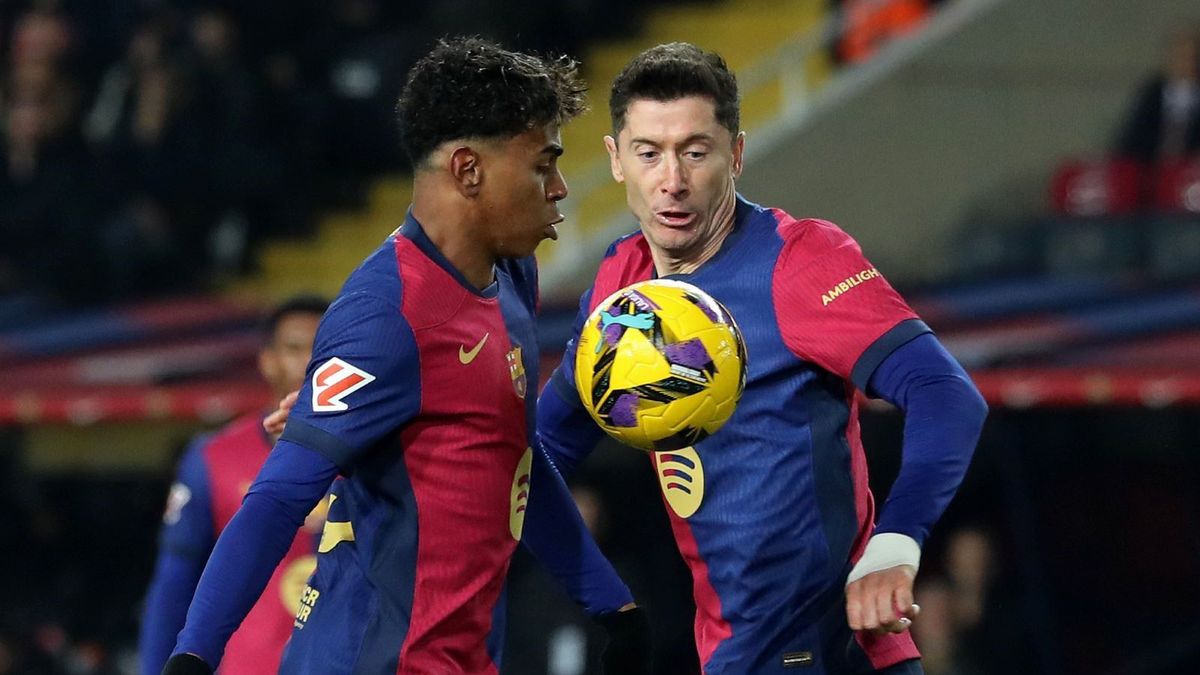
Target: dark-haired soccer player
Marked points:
790	570
214	474
418	395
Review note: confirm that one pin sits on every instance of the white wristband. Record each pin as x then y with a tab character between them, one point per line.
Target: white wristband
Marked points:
885	550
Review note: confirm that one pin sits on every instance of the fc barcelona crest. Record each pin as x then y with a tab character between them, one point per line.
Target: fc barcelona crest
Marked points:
516	368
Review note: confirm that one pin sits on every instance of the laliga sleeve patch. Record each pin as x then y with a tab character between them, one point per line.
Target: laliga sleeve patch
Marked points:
333	381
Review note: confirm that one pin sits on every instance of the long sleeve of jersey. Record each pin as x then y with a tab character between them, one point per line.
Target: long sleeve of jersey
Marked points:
557	537
186	540
943	416
554	530
291	482
565	431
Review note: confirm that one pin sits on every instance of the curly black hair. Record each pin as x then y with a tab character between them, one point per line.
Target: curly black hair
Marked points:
473	88
672	71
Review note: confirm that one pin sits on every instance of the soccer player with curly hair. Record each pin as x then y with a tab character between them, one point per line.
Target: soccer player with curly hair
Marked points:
420	395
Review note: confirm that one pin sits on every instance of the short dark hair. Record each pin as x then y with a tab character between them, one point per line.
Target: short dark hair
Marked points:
314	305
672	71
472	88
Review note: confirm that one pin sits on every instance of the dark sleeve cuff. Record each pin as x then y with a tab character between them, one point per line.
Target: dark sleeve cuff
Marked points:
332	447
882	347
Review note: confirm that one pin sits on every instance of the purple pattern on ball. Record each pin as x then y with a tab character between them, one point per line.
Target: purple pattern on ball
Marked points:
612	334
708	309
691	354
623	413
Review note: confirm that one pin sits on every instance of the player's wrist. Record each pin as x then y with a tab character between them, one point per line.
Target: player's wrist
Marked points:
884	551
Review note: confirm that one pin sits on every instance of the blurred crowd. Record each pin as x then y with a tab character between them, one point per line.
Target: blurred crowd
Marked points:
148	145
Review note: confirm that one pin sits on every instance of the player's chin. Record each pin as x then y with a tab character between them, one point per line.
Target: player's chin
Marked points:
675	243
524	248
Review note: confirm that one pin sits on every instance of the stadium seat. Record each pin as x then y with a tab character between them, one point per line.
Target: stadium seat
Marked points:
1177	187
1097	187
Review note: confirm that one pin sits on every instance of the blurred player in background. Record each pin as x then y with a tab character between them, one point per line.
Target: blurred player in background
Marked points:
214	474
417	395
789	567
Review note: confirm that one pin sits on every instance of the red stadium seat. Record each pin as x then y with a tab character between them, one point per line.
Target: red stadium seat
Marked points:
1097	187
1177	187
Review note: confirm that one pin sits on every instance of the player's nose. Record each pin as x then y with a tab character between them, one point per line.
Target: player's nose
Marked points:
674	181
556	189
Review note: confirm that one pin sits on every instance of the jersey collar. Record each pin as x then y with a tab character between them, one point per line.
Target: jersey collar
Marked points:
412	230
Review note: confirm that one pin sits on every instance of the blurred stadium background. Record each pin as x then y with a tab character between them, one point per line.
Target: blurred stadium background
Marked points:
173	167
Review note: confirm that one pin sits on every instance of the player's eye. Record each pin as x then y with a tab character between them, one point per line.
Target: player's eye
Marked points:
695	154
648	155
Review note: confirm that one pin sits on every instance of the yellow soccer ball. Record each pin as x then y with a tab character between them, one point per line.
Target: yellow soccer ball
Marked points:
660	365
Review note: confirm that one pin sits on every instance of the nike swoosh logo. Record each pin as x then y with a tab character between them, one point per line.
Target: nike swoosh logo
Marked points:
465	357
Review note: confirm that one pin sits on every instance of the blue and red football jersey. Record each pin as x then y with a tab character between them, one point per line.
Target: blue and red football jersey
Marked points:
417	390
777	506
213	476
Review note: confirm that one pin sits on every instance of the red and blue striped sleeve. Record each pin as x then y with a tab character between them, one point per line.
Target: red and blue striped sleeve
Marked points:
186	540
564	429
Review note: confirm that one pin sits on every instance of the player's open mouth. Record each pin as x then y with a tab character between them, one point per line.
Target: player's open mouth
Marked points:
551	231
675	218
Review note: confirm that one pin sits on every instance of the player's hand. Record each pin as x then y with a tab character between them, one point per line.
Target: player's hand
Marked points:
186	664
883	601
629	650
275	422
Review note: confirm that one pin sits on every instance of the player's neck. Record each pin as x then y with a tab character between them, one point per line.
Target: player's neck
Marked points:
453	234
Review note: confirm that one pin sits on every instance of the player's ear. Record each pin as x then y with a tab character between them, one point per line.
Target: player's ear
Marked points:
614	162
466	170
739	146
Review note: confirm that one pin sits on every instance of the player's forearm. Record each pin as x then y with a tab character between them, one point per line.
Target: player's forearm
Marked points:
557	536
943	417
291	482
565	430
167	600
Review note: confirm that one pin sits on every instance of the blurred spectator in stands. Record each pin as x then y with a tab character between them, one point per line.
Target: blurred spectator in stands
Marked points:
936	630
294	108
867	25
972	618
1164	122
157	154
44	182
211	124
41	36
360	58
953	604
248	178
